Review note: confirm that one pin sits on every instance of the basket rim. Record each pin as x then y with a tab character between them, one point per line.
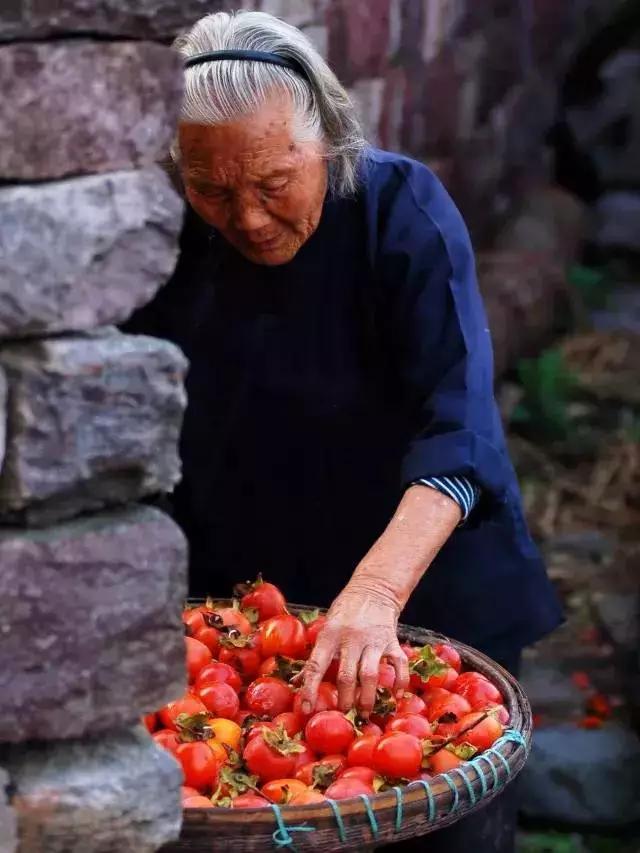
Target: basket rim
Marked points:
414	792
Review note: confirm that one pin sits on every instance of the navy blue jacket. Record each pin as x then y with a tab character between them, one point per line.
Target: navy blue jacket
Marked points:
320	389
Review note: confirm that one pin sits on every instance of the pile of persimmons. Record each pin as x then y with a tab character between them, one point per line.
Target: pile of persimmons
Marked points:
243	741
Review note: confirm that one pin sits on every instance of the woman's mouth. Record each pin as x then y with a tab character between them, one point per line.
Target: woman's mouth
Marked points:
264	245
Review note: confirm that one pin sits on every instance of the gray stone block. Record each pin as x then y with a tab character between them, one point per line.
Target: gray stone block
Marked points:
93	421
85	252
7	818
90	624
581	777
3	416
28	19
79	107
114	794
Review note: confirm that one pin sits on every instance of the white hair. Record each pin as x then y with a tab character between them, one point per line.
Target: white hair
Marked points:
222	91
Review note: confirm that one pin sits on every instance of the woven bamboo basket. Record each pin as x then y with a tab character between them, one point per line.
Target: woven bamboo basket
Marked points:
365	823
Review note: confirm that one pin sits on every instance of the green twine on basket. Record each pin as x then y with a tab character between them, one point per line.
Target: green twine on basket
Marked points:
281	835
373	823
398	792
431	799
454	790
335	808
472	794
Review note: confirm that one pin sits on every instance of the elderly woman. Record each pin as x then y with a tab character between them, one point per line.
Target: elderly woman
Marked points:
341	434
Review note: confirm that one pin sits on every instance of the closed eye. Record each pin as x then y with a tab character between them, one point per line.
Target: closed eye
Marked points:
274	185
209	190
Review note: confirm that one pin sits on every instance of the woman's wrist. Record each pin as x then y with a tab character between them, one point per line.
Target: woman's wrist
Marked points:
423	522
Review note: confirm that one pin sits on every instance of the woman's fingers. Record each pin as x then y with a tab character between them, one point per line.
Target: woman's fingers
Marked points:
368	675
315	668
399	661
347	680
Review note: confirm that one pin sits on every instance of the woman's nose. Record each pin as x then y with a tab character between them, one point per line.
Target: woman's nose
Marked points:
249	214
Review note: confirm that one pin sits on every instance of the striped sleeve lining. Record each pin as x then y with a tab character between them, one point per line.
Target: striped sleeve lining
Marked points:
459	489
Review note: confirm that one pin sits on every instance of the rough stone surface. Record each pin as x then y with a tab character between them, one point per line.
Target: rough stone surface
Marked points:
93	421
84	252
358	37
617	216
619	614
524	293
547	220
367	96
3	415
117	794
90	624
31	19
549	688
125	118
581	777
7	818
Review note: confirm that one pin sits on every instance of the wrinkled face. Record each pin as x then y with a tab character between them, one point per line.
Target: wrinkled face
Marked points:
250	179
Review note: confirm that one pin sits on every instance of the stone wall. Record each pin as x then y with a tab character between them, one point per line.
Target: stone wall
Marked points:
91	582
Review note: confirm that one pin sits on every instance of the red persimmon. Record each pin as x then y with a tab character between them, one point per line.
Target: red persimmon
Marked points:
451	704
483	734
249	801
186	792
198	656
270	755
244	658
443	761
305	756
151	722
282	790
343	789
449	655
327	700
268	697
322	772
313	630
410	704
198	802
307	797
329	732
361	751
210	637
221	700
479	692
412	724
188	704
167	739
265	598
292	723
283	635
386	676
397	756
365	774
199	765
215	672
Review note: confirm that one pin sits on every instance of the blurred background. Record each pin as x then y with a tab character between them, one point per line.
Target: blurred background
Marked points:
529	111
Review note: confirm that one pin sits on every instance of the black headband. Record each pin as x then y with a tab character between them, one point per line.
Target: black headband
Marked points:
247	56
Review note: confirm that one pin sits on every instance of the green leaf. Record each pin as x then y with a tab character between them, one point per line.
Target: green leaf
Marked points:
464	751
427	664
592	285
548	842
308	616
549	388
